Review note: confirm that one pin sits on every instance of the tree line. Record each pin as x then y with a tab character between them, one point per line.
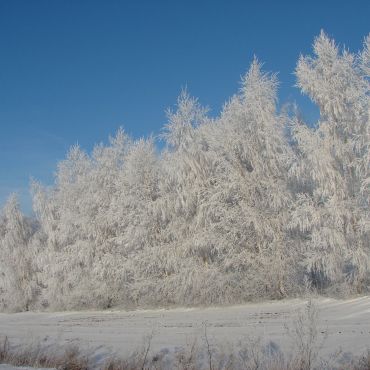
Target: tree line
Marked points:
251	204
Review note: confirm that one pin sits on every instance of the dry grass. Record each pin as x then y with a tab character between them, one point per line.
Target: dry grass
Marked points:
253	356
38	356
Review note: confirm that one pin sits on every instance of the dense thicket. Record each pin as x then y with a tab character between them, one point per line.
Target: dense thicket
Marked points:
252	204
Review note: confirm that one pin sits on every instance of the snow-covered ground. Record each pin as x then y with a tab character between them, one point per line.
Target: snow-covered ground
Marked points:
344	323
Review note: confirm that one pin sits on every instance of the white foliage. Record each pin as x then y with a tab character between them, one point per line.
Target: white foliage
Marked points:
332	166
18	275
250	204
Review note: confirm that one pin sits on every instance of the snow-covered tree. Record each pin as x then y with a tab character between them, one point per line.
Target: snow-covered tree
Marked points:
253	198
332	209
19	286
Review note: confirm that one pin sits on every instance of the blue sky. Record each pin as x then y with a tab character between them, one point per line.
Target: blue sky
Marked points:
73	71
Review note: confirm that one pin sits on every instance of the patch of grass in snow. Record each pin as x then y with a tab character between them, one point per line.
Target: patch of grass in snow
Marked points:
252	356
35	355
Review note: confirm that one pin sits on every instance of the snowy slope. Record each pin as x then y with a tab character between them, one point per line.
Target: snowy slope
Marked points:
345	323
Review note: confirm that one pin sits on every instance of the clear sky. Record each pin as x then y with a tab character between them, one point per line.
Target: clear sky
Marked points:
73	71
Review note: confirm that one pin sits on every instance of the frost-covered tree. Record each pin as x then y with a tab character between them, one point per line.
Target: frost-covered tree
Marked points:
174	265
19	286
75	218
331	211
227	192
97	219
252	193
